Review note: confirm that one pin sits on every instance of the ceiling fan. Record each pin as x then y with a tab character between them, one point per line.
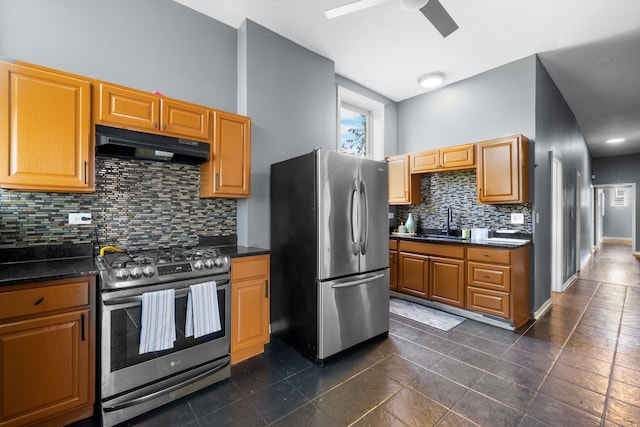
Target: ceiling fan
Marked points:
431	9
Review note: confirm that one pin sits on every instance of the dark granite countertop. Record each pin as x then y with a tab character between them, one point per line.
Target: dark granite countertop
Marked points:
50	262
506	243
242	251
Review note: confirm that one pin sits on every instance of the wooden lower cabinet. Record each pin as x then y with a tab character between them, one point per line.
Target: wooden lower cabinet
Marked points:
446	281
413	274
250	316
47	352
498	282
432	271
393	264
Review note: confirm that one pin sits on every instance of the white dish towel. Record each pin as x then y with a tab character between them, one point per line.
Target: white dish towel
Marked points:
203	315
158	321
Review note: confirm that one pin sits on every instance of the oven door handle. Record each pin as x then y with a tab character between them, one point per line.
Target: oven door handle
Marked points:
150	396
180	292
138	298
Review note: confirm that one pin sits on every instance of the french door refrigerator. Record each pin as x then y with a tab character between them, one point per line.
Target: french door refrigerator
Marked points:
329	251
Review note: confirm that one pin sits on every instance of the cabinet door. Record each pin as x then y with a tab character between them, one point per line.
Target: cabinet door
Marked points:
45	130
446	281
413	274
129	108
227	174
250	310
502	171
425	161
459	157
185	120
404	188
393	270
45	367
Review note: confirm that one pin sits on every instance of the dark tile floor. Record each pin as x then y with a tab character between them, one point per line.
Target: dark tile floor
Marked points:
579	365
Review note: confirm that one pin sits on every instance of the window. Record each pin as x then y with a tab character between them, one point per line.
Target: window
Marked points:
619	197
360	125
354	129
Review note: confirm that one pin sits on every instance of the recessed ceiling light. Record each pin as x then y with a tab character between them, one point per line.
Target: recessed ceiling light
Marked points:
615	140
431	80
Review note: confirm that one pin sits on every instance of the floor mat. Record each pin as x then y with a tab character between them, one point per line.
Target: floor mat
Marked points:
426	315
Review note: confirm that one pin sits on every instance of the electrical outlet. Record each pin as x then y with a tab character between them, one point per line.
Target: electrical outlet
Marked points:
391	215
79	218
517	218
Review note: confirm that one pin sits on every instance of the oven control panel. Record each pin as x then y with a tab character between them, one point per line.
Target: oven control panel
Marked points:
174	268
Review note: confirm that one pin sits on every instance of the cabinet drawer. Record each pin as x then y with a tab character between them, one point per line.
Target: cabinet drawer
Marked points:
31	301
500	256
393	244
447	251
488	301
252	266
489	276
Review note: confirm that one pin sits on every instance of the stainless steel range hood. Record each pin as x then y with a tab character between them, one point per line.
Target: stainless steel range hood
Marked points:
131	144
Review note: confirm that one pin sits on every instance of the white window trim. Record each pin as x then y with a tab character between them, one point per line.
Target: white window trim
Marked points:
375	128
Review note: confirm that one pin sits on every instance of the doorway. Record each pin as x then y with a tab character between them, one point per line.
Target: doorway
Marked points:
557	279
615	214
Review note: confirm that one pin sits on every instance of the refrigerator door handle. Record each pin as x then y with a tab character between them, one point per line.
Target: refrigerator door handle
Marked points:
355	216
358	282
364	218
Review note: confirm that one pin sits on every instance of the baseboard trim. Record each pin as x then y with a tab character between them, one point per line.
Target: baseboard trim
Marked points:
620	240
566	285
542	310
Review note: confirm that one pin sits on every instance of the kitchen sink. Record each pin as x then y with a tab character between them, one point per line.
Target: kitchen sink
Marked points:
444	237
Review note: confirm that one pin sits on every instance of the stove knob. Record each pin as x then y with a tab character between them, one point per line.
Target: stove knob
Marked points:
198	265
148	271
209	263
136	273
218	262
122	274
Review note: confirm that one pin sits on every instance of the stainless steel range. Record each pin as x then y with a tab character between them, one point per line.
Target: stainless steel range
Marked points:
133	382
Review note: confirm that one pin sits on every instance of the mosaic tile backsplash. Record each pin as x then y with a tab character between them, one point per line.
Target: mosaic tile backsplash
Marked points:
138	204
458	190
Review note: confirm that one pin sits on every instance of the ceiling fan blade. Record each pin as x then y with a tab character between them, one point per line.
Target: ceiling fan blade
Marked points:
351	7
439	17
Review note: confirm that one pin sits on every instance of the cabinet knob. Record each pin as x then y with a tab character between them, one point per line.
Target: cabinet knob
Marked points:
164	127
155	125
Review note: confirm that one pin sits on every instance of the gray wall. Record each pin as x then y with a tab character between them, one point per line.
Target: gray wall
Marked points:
145	44
617	170
291	99
495	103
557	130
617	219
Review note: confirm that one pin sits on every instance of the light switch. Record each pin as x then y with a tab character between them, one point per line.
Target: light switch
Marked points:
517	218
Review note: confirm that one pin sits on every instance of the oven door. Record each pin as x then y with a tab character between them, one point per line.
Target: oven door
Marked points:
124	369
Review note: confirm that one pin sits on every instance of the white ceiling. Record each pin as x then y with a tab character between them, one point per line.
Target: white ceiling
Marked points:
386	48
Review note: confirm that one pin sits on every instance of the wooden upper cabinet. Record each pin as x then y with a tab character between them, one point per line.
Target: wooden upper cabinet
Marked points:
503	173
45	130
444	159
227	174
181	118
127	108
425	161
404	189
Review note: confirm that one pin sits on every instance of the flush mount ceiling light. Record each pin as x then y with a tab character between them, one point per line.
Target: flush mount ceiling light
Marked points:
615	140
431	80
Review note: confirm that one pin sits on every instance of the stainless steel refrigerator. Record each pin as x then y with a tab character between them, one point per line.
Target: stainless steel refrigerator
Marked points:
329	251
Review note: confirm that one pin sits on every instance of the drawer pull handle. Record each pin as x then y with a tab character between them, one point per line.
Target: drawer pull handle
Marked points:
487	277
40	300
485	255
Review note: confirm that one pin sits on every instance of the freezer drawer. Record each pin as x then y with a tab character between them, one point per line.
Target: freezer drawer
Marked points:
352	310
